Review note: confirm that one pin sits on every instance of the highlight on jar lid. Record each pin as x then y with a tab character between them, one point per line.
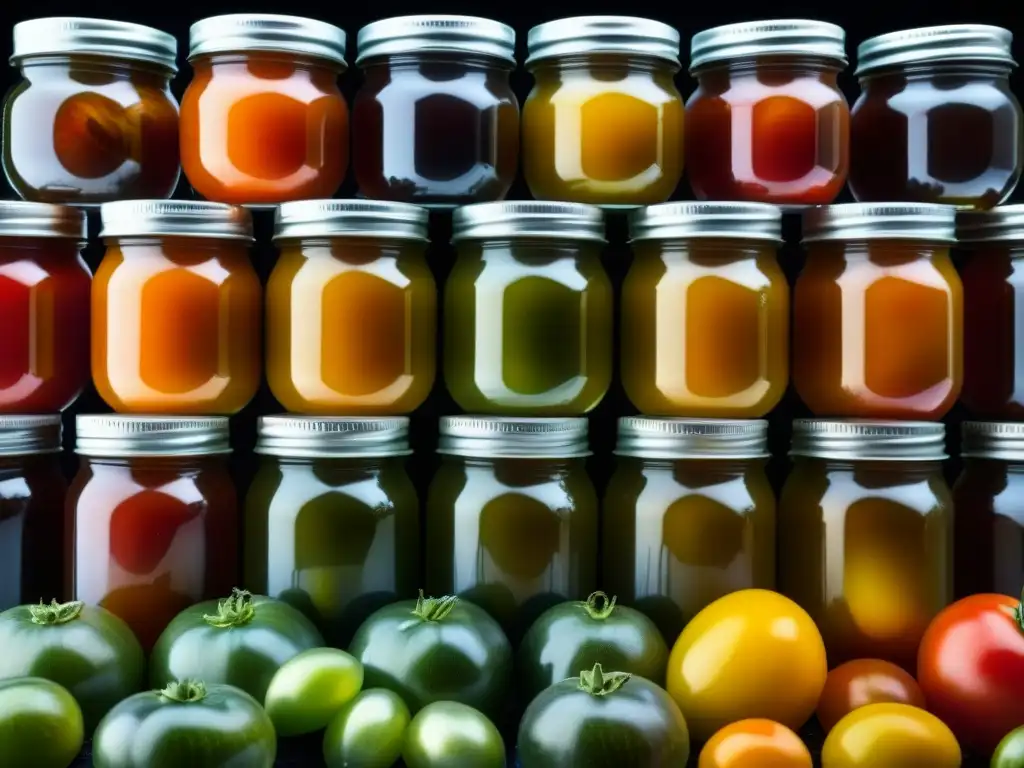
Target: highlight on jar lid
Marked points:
289	436
973	43
753	39
74	36
863	440
25	435
267	33
1002	224
563	221
20	218
350	218
175	218
514	438
880	221
663	438
437	34
742	221
583	35
1002	441
114	436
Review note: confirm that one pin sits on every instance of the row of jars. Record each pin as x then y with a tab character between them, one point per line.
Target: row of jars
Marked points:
862	535
436	121
879	313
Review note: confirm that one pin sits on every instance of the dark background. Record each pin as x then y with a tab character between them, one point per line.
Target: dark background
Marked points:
861	19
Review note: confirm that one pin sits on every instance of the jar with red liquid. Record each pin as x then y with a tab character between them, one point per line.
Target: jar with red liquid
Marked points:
153	517
44	307
768	122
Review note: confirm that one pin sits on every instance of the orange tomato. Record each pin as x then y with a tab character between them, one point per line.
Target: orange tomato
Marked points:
755	743
861	682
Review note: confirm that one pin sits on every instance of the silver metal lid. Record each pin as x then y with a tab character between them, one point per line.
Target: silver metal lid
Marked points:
175	218
24	435
350	218
975	43
862	440
267	32
116	436
786	37
1002	224
313	437
437	34
563	221
652	438
69	35
624	35
514	438
880	221
742	221
23	219
1003	441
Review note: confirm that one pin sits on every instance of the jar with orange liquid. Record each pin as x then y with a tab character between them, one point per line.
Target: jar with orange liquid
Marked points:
93	118
153	517
865	535
176	309
263	120
604	121
351	308
705	311
878	312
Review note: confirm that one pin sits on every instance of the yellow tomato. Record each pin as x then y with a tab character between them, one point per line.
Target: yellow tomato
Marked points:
890	736
750	654
755	744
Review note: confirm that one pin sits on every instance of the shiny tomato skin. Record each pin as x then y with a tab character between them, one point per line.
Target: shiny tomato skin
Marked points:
755	743
970	667
40	724
1010	752
890	736
861	682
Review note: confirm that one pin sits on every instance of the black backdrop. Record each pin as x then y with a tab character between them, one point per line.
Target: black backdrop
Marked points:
860	19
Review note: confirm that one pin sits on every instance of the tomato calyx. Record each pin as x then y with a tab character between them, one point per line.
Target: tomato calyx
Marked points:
234	611
184	691
599	606
431	609
597	682
55	613
1018	612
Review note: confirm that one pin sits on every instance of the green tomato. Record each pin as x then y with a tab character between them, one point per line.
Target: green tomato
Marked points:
368	732
1010	752
577	635
447	734
240	641
310	688
40	724
603	720
430	650
186	725
86	649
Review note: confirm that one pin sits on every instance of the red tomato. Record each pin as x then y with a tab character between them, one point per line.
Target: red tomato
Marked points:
861	682
971	669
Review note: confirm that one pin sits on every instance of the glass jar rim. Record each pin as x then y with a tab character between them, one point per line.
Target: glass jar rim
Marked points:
867	440
521	219
294	436
755	39
1004	223
920	222
647	437
301	219
759	222
71	35
999	440
436	33
268	33
514	437
949	43
20	218
123	436
175	218
30	435
583	35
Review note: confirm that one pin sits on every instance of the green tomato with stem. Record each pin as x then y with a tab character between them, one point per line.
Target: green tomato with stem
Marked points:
310	689
40	724
447	734
368	732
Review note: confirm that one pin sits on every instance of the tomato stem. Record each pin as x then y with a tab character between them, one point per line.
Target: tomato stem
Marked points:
434	608
598	606
55	613
232	611
1018	612
184	691
597	682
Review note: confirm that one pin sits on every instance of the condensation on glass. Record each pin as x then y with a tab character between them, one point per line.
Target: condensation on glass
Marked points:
705	311
436	121
512	516
92	118
332	519
688	516
936	120
878	312
768	122
865	535
351	308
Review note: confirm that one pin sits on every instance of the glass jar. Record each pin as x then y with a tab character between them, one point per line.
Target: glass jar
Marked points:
878	312
263	120
993	278
177	309
604	121
528	310
44	307
688	516
435	121
332	519
865	533
512	516
93	118
32	492
705	311
153	517
351	308
768	121
936	120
